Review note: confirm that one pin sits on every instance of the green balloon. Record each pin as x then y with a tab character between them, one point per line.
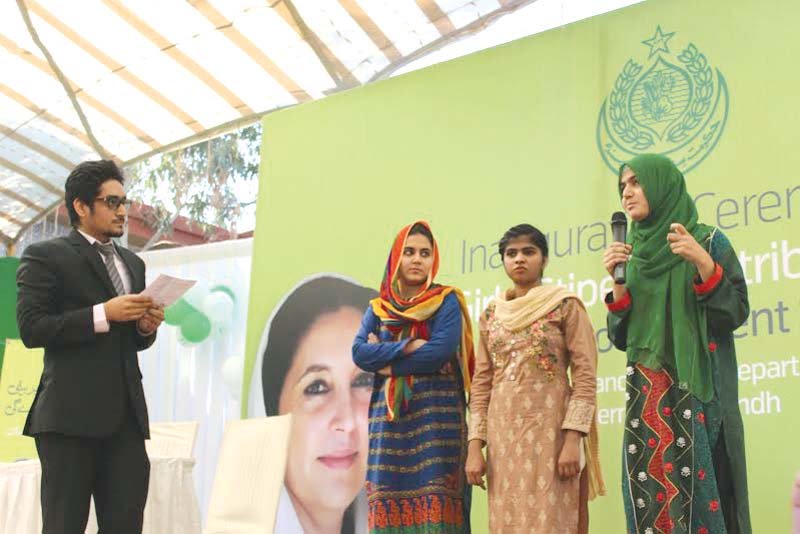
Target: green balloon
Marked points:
195	327
176	313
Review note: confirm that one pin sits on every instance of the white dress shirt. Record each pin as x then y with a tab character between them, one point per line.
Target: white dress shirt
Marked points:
101	325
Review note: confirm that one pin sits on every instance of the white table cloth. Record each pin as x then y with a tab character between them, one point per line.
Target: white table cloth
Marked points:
172	506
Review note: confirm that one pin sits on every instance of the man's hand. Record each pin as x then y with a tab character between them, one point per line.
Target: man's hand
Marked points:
126	308
151	320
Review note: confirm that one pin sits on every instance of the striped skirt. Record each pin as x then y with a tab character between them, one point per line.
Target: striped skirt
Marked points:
415	473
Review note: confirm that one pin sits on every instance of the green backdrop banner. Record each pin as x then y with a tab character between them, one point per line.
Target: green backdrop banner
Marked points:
533	132
8	303
18	384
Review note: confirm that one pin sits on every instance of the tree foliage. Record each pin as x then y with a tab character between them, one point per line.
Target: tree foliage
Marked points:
210	182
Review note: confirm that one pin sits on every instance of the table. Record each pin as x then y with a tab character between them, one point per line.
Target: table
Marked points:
172	506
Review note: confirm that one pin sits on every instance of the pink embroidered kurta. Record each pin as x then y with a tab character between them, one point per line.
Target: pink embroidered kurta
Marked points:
521	401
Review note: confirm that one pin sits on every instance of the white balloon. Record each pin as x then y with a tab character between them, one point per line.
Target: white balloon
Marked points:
218	307
196	295
232	374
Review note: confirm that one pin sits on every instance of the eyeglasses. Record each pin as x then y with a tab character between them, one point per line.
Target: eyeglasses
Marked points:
114	202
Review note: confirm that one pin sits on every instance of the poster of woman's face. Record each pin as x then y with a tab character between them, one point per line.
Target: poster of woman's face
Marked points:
305	368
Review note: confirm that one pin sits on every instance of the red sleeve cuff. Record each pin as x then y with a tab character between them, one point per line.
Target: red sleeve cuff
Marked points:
703	288
620	305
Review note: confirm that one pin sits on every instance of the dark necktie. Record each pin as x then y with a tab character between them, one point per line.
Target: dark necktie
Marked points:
107	250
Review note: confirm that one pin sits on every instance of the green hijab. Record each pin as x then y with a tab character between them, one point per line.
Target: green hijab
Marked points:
667	327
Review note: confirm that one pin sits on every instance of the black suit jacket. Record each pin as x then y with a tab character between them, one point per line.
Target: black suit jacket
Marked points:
88	378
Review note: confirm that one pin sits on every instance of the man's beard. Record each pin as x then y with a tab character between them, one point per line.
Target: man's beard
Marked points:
115	233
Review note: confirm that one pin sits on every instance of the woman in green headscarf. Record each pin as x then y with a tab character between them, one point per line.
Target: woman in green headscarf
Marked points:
683	447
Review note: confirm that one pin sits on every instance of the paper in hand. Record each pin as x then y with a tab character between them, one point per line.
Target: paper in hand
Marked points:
166	290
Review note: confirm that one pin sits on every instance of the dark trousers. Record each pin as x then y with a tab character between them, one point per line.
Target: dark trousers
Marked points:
727	496
115	470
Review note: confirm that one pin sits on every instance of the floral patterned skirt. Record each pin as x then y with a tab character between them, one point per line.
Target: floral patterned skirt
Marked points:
668	480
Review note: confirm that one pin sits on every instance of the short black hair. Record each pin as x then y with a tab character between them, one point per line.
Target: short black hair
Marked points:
536	237
85	181
421	229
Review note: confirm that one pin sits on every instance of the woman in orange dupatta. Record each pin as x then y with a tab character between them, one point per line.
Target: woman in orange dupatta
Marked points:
417	338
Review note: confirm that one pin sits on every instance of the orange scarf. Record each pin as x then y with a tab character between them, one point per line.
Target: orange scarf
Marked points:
409	319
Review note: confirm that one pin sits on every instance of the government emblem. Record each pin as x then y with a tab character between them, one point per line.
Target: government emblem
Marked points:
676	105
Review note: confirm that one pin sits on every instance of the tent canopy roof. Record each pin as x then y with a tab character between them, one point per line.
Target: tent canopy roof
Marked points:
127	79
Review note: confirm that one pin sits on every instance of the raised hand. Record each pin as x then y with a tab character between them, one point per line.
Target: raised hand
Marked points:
682	243
615	253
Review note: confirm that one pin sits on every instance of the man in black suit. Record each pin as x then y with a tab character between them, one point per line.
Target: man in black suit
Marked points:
78	298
